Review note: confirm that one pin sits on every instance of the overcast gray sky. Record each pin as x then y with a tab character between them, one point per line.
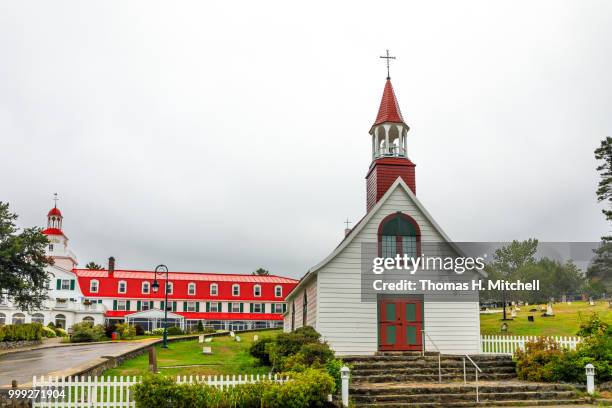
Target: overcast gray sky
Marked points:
225	136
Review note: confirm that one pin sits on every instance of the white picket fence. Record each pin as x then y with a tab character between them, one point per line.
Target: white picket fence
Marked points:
114	392
509	344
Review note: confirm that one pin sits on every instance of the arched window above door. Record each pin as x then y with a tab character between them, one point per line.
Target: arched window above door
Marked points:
398	233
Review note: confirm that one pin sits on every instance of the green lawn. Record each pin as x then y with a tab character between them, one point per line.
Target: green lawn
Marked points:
186	358
565	322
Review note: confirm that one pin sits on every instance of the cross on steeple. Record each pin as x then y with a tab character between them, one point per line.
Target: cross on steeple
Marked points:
387	57
55	199
347	222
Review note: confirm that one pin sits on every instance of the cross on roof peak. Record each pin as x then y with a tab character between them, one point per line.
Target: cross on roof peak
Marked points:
388	58
55	199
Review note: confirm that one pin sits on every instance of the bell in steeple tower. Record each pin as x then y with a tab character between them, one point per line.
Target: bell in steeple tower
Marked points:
389	149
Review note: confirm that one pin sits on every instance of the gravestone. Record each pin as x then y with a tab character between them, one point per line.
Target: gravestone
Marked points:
208	340
549	310
232	334
201	338
591	303
255	337
206	350
238	339
513	313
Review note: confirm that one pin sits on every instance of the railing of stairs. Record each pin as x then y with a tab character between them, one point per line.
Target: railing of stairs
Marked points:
437	349
478	370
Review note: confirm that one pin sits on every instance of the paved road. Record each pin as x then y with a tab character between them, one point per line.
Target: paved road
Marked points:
23	365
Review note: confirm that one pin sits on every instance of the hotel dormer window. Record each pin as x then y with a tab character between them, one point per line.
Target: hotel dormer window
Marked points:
214	289
122	287
235	290
399	234
146	288
93	286
257	290
191	289
169	288
278	291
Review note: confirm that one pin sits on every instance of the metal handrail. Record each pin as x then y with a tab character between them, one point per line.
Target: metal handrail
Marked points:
439	353
476	371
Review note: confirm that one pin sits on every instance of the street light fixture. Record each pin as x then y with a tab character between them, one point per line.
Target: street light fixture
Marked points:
161	270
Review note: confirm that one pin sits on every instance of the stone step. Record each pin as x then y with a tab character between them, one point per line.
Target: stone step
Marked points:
361	371
429	364
387	377
456	388
460	397
508	403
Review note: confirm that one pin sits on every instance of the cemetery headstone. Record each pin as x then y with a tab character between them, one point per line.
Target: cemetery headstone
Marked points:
201	338
206	350
255	337
208	340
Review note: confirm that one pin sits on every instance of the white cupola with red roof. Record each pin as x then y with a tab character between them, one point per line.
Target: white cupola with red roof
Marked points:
389	149
58	241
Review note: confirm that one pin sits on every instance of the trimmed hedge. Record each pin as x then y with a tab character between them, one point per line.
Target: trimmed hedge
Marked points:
306	389
20	332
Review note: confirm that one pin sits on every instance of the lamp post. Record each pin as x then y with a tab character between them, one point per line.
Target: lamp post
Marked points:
161	270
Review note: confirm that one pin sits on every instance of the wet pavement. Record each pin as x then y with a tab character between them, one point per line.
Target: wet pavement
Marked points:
21	366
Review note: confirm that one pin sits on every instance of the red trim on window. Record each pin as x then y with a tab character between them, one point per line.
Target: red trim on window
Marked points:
398	238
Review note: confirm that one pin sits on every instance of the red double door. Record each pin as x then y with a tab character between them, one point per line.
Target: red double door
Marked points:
400	321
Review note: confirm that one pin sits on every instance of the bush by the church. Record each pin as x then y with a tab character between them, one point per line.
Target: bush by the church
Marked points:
86	332
21	332
259	350
48	332
304	390
544	360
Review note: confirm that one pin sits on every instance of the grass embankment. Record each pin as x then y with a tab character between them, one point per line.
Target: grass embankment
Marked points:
566	321
186	358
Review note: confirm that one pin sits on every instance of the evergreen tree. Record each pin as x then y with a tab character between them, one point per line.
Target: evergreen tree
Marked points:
604	189
261	272
22	262
93	266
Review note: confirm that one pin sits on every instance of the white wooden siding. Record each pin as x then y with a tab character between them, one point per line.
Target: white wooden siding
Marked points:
311	290
350	326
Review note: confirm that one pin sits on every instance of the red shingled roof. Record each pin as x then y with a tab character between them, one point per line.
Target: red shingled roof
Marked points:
53	231
209	316
389	110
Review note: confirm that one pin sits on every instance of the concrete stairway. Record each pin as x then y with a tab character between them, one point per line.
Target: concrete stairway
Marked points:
411	380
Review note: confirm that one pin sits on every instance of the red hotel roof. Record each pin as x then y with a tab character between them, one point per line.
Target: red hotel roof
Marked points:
210	315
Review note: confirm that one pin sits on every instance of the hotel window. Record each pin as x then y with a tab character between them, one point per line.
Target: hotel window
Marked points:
2	319
145	305
236	290
50	247
65	284
257	290
169	288
214	289
278	291
93	286
146	288
191	289
257	307
122	287
214	307
277	308
235	307
121	305
190	306
398	234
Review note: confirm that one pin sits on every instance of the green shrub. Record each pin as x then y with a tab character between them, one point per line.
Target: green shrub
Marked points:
174	331
200	326
158	332
333	368
316	353
126	331
544	360
287	344
304	390
48	332
258	350
21	332
86	332
109	329
61	332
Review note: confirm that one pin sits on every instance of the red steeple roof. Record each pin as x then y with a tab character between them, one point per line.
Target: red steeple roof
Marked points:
389	110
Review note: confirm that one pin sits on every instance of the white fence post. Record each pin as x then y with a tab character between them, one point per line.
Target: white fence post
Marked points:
344	374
